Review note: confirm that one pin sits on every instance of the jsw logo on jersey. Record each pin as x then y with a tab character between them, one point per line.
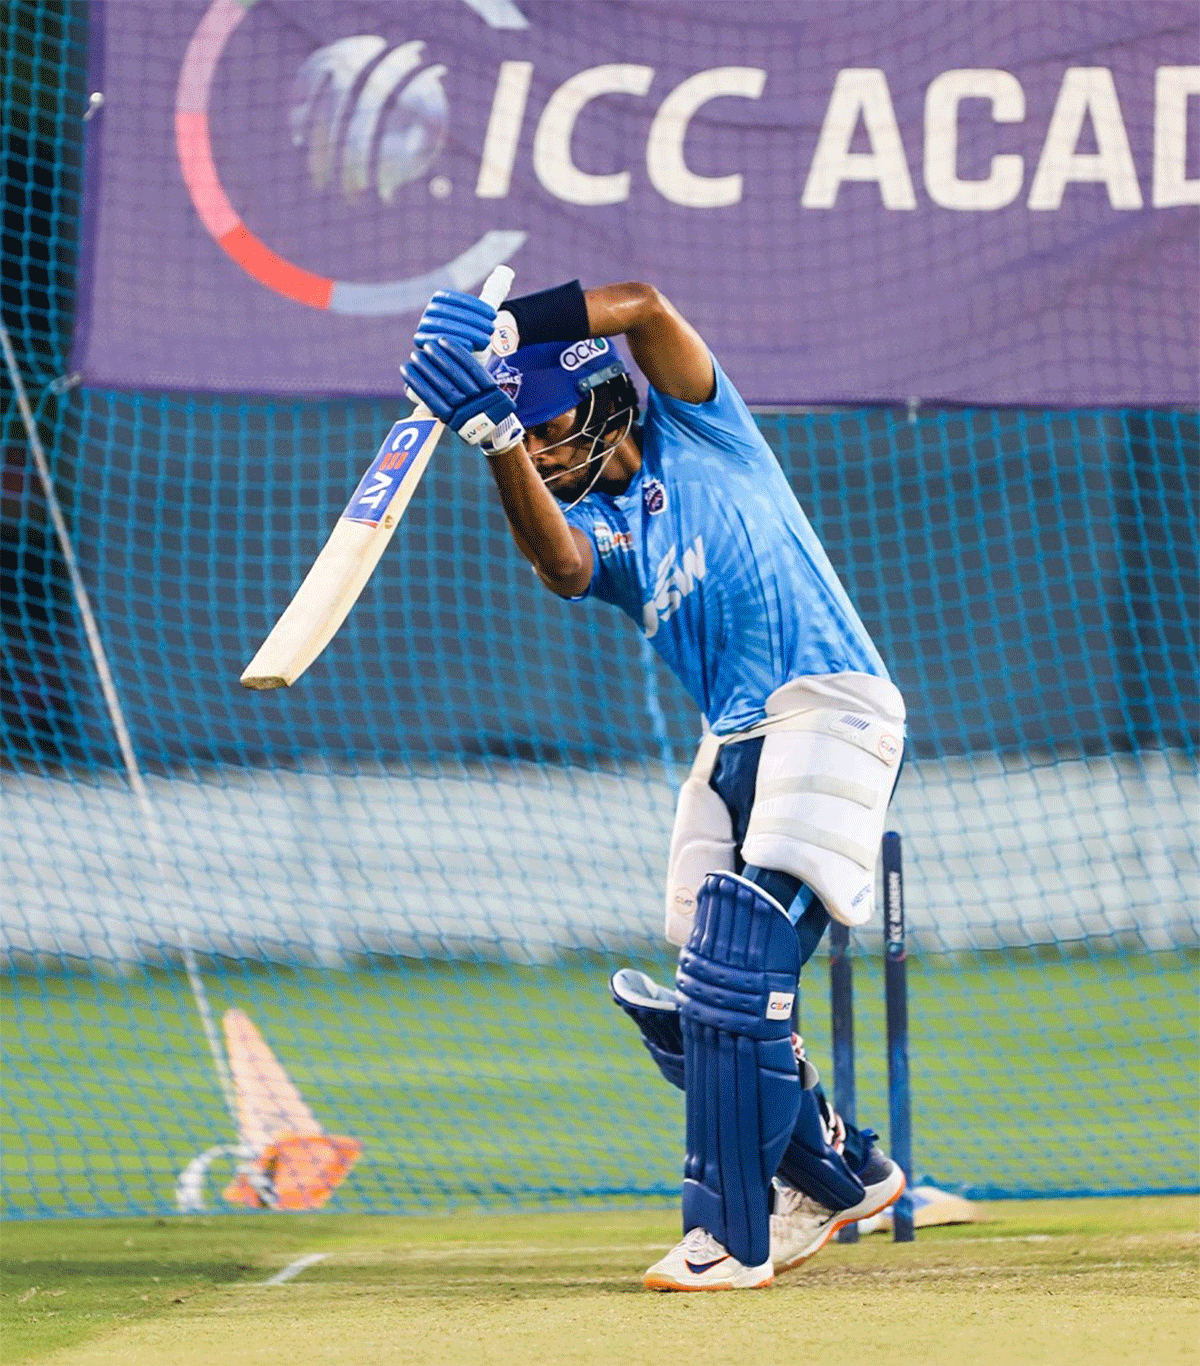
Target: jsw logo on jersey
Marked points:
672	583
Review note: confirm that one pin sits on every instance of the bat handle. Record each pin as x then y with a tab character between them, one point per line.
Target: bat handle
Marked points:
496	286
495	291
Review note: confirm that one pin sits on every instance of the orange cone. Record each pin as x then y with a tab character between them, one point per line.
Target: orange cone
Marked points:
301	1163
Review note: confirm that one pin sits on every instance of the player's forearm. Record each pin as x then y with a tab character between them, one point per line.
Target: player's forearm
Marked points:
535	519
667	348
629	309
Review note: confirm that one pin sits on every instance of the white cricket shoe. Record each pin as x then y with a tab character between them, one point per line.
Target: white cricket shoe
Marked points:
800	1226
701	1263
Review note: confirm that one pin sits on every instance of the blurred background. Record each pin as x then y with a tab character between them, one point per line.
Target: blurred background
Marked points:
953	270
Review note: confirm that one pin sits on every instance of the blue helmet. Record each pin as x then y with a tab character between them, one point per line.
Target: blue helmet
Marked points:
551	378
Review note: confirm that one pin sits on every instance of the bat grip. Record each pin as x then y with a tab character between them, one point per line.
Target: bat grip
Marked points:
496	286
495	291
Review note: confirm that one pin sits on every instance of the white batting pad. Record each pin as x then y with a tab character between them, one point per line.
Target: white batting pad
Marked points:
820	807
701	843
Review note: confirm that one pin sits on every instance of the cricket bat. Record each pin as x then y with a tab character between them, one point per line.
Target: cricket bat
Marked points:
340	572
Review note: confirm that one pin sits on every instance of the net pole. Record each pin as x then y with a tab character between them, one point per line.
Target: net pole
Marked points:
841	1010
895	977
155	841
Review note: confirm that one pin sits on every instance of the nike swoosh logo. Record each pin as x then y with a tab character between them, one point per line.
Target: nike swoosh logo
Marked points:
704	1266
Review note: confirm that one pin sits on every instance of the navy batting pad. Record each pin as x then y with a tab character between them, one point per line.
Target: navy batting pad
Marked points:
654	1010
737	981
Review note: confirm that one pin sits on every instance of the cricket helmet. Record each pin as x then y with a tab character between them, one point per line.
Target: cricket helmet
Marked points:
550	378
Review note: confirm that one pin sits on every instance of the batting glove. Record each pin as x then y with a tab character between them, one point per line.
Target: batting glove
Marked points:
458	391
466	319
463	318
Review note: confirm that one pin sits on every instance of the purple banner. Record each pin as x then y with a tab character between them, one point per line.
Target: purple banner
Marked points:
853	201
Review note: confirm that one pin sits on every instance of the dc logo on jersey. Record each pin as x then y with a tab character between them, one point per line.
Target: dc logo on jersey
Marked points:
654	497
508	379
396	123
582	352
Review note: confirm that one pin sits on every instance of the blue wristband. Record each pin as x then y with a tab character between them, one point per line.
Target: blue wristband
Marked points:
558	314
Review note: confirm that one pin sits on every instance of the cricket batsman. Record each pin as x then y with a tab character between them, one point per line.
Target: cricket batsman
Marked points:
682	518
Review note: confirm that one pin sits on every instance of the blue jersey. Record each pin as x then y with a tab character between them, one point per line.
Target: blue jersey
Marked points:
712	556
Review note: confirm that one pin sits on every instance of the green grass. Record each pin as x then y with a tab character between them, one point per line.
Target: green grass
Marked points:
506	1087
1038	1283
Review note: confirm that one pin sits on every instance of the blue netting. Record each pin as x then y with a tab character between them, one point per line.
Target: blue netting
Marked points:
415	870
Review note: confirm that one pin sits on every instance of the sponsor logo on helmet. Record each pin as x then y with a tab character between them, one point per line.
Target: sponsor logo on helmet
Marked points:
581	352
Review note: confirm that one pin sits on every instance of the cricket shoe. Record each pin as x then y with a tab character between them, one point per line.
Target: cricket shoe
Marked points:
701	1263
801	1226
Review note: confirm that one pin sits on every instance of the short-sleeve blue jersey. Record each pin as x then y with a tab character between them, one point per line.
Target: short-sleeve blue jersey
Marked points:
709	552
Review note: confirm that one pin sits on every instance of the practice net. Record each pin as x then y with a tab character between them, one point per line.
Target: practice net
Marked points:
414	872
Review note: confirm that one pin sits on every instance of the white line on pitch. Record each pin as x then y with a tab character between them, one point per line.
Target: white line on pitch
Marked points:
293	1269
432	1254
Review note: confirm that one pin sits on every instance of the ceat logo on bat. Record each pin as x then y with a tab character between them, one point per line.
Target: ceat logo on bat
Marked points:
376	489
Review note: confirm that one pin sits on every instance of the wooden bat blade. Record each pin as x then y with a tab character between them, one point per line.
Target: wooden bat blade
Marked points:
340	572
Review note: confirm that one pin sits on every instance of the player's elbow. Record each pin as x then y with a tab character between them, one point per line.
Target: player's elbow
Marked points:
648	303
566	573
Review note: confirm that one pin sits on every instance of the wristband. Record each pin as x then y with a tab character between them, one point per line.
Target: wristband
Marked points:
558	314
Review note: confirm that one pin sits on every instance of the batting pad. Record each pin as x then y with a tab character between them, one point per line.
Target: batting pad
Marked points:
820	807
737	981
701	843
655	1011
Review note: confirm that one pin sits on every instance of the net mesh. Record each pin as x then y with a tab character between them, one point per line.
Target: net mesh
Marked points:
415	870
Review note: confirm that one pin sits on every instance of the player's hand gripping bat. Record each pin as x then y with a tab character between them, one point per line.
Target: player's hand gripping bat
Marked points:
340	572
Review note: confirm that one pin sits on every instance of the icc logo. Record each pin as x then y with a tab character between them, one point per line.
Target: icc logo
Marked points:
363	118
384	123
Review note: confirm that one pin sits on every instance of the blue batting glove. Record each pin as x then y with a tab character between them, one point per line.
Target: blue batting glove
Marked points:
463	318
458	391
